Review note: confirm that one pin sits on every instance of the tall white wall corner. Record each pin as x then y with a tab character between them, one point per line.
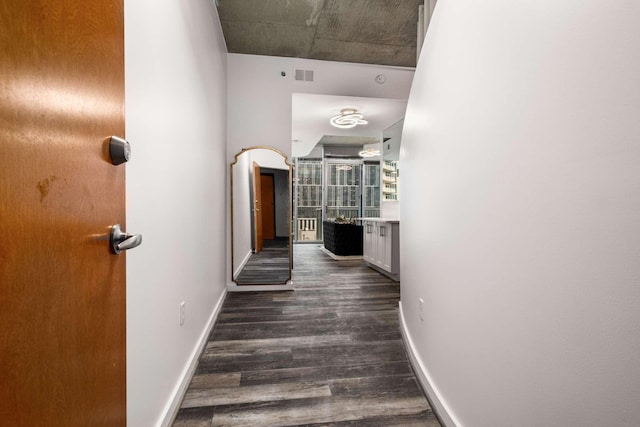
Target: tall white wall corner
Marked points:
425	13
432	7
420	32
438	405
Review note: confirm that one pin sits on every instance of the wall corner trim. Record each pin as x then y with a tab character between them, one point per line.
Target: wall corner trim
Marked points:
438	405
173	406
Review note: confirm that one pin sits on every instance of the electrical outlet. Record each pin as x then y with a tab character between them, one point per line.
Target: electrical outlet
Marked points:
420	303
182	308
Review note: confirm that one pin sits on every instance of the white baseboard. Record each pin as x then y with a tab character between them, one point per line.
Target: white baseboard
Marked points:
172	408
435	399
242	264
233	287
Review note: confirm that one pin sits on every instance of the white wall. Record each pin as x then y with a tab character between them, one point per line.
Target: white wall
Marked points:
242	212
521	205
176	116
390	209
242	197
259	107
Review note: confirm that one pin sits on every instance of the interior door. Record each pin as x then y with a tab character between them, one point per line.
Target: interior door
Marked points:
62	292
257	208
268	207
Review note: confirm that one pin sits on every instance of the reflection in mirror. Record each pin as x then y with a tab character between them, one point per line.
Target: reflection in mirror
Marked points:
390	155
261	217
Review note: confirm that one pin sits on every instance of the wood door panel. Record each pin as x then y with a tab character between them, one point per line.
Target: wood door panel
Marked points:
62	333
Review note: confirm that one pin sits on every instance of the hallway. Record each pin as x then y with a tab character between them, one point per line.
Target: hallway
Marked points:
329	353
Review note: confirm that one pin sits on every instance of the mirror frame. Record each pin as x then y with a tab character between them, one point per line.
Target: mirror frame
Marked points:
289	212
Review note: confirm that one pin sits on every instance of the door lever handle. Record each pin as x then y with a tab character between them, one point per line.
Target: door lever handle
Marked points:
121	241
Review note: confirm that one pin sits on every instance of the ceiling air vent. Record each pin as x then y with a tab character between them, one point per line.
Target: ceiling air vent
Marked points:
303	75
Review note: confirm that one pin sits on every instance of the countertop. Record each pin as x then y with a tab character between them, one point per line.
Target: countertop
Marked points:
391	221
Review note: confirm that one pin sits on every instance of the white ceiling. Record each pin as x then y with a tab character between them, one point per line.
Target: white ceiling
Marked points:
311	114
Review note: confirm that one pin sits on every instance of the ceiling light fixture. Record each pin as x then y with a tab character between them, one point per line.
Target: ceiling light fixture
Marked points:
369	152
348	118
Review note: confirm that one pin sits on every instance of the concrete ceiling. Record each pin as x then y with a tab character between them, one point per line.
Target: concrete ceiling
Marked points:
381	32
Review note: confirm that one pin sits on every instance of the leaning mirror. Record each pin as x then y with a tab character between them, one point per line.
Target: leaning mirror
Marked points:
261	217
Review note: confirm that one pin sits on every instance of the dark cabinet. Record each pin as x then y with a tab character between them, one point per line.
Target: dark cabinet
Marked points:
342	239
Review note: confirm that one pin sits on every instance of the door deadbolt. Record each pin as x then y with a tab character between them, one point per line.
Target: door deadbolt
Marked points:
119	150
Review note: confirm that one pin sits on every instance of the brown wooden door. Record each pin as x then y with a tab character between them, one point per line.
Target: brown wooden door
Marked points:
62	293
268	207
257	209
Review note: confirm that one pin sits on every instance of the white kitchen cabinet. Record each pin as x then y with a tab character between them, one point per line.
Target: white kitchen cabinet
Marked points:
381	245
370	241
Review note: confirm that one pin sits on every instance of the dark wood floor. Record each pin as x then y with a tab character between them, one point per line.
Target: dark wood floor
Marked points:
329	353
270	266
